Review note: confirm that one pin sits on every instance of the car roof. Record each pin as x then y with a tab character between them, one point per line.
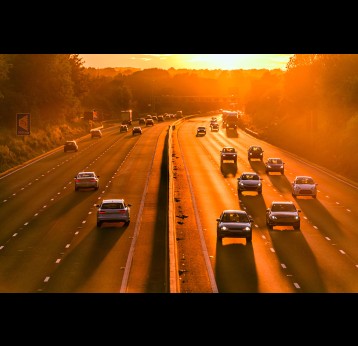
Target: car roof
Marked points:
303	177
82	172
273	158
115	200
230	211
282	202
250	173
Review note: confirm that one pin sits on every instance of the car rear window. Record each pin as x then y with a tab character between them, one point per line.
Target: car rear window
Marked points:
112	206
86	175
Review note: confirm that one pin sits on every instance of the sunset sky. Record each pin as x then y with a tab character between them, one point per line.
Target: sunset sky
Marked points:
188	61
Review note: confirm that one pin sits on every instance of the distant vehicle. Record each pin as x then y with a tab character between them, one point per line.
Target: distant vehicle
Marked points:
70	146
126	117
123	128
86	180
154	117
231	122
283	213
141	121
96	133
160	118
228	160
113	210
249	181
179	114
214	127
275	164
136	129
201	131
234	224
304	185
149	122
255	152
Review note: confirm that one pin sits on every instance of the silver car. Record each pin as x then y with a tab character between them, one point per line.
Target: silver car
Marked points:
304	185
85	180
249	181
283	213
113	210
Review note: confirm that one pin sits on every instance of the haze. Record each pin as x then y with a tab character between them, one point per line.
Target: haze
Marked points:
188	61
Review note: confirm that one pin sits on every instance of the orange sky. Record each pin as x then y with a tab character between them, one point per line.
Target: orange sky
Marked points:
188	61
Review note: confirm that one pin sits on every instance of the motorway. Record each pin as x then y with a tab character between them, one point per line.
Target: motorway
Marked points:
49	241
321	257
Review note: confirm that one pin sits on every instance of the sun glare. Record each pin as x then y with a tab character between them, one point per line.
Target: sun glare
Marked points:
189	61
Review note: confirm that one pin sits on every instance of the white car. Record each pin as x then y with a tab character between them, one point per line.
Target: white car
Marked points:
304	185
84	180
113	210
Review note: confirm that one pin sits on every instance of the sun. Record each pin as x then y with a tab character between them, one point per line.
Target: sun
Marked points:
216	61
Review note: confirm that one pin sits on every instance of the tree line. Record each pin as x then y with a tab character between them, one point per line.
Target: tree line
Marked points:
309	108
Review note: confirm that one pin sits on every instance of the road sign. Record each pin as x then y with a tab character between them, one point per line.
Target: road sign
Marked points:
23	123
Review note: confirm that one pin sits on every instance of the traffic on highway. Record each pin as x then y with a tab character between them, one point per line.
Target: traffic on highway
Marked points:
172	212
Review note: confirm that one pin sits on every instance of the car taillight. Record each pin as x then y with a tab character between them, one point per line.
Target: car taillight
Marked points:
121	211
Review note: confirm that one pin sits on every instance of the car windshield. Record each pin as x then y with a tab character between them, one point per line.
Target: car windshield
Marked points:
256	149
283	207
250	177
275	161
228	150
235	217
112	206
305	181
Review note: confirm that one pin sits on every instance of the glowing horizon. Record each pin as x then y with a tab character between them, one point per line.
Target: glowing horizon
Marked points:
188	61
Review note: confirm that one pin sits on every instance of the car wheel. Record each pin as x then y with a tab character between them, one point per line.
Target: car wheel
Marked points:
96	188
249	239
260	192
76	188
298	226
314	196
293	195
269	226
283	172
99	223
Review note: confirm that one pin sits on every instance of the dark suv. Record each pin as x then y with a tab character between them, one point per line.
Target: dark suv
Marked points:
255	152
70	146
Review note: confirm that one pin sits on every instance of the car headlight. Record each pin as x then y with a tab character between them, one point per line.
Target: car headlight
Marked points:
268	166
241	184
273	217
224	228
247	228
259	184
297	217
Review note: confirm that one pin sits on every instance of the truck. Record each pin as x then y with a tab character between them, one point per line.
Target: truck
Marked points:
228	160
231	123
126	117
